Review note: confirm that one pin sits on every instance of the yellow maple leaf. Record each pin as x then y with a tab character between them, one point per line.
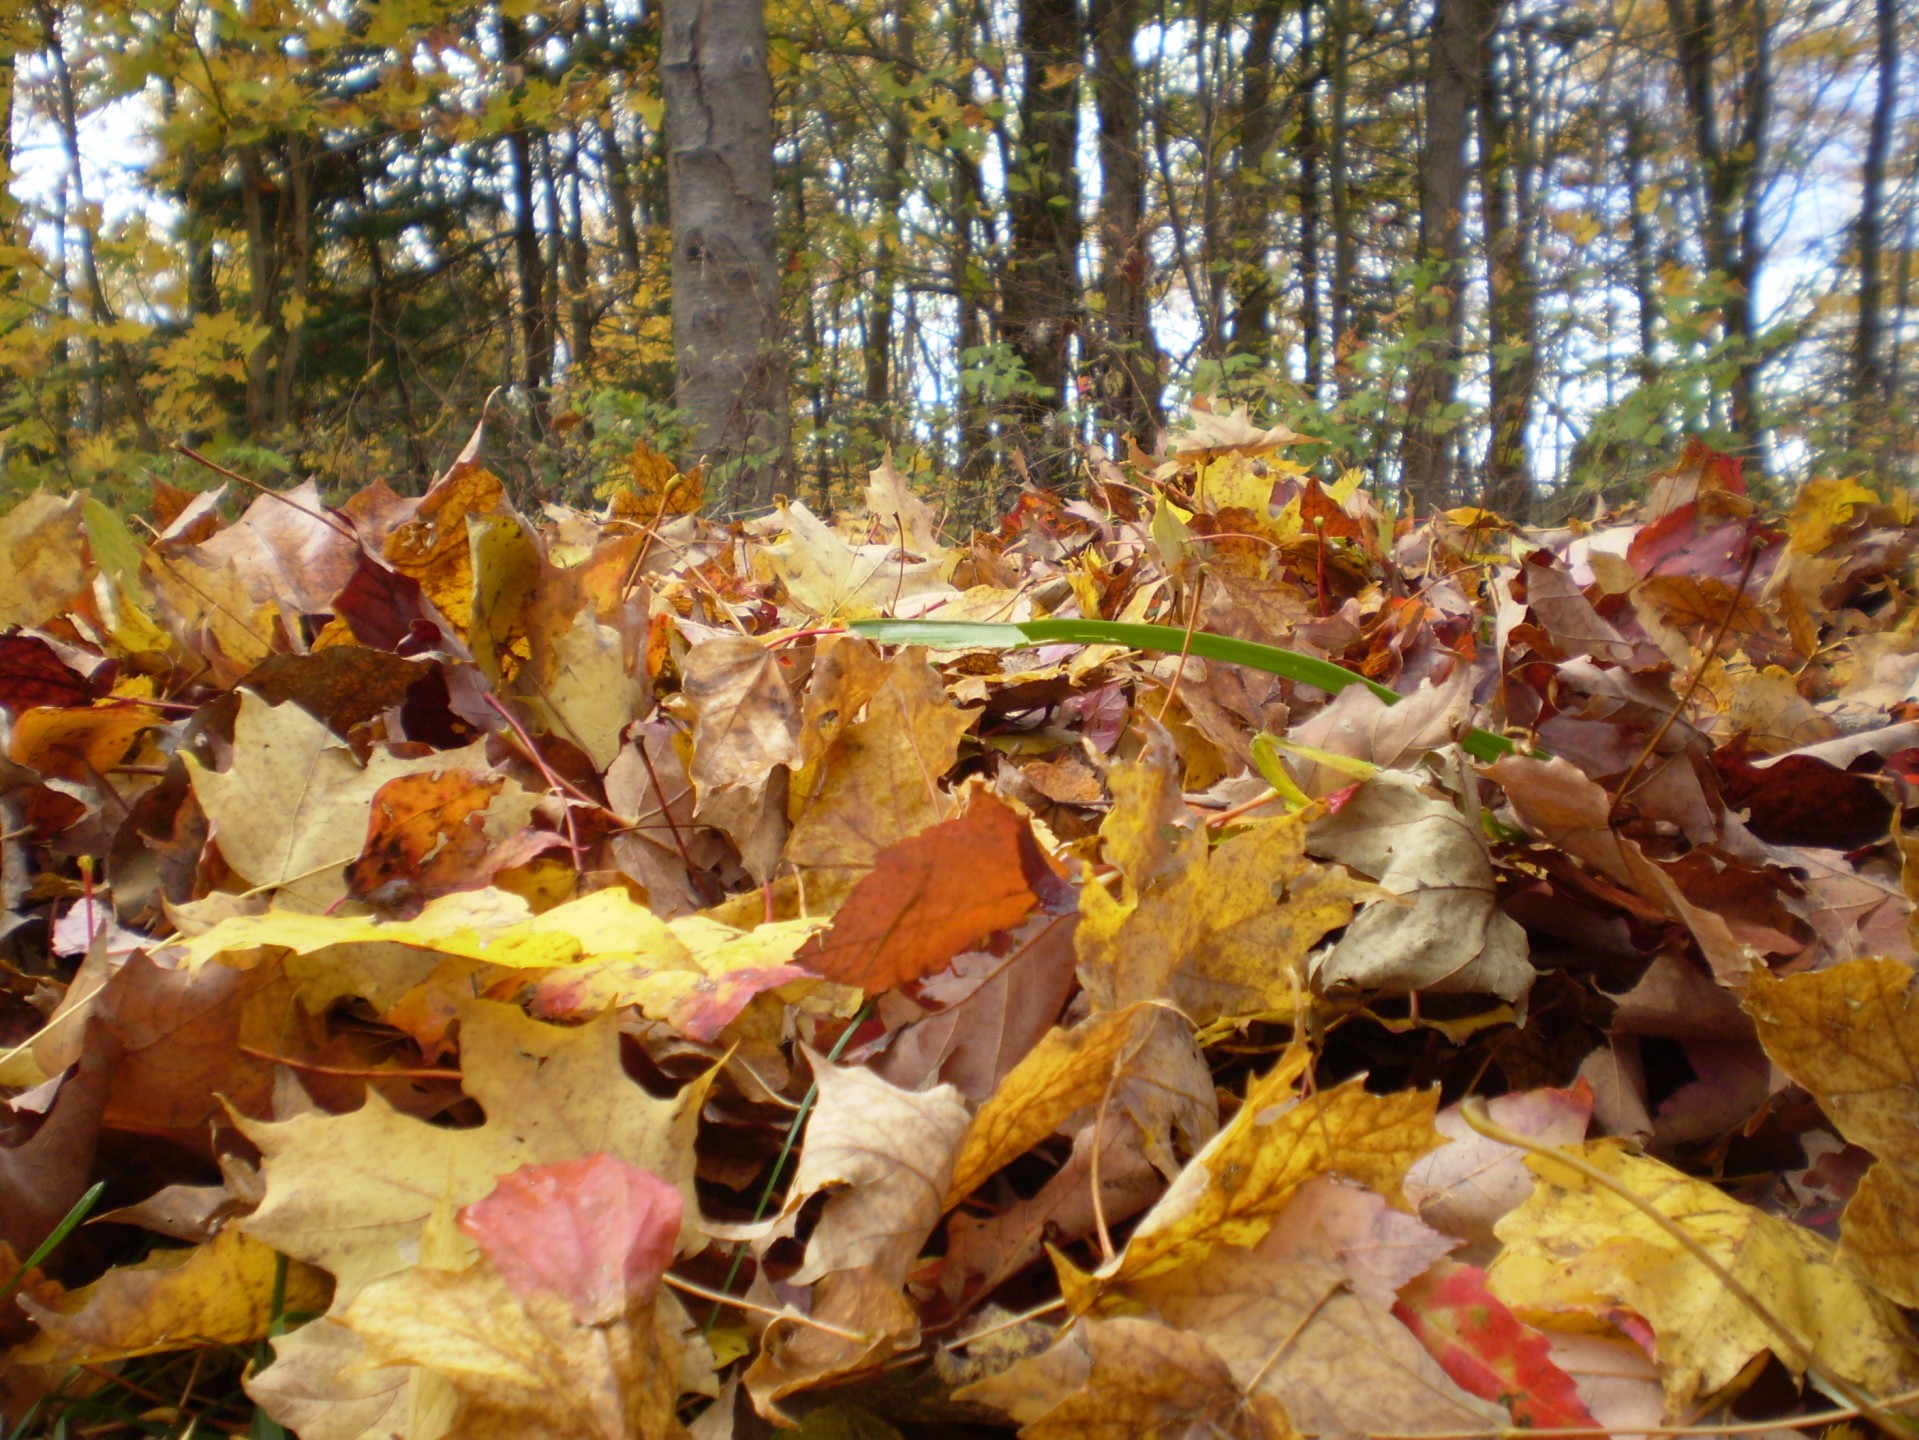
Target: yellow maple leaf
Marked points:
1577	1247
1821	509
1066	1071
1231	1191
1225	934
1850	1035
219	1293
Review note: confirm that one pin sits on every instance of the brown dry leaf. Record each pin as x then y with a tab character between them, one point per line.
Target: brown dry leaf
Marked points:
1564	808
1239	1183
1468	1183
1225	934
883	1157
288	551
877	782
1576	1249
220	1293
1067	1071
901	514
1130	1379
1440	929
1340	1363
929	896
1850	1036
745	728
207	609
290	812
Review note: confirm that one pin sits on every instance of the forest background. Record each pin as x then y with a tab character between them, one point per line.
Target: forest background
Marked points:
1494	250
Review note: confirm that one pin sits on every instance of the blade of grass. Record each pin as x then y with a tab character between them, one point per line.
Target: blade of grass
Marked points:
46	1247
1164	639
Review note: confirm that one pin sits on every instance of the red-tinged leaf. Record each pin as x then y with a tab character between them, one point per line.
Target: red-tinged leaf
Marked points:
32	674
931	896
716	1001
597	1232
1486	1349
1325	516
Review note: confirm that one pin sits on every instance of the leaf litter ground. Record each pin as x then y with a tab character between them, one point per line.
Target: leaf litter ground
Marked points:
477	973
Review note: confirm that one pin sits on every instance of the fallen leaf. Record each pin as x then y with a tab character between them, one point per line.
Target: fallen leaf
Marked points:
1339	1363
44	569
1468	1183
1850	1036
1225	934
1239	1183
220	1293
1485	1348
1441	930
1576	1248
1121	1379
929	896
1067	1071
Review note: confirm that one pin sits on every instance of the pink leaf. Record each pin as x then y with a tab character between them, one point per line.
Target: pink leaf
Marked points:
597	1232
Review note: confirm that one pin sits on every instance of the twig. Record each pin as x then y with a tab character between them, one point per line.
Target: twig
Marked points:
736	1303
1698	674
349	1072
553	781
217	468
700	879
1192	624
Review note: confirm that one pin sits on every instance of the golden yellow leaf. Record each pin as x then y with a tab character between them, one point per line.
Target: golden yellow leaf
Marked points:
1576	1246
521	1364
1225	934
490	925
831	579
1127	1378
219	1293
1821	509
1850	1035
1066	1071
76	743
506	568
1231	1191
583	692
656	489
352	1193
433	547
42	564
878	781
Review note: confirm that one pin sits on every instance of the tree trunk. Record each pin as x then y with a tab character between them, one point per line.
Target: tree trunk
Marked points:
1452	82
1732	238
1129	379
1339	182
1253	188
1869	393
1308	147
298	227
99	310
731	368
1039	297
1512	317
877	313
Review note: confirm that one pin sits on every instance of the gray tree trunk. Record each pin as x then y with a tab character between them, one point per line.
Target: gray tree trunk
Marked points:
1452	84
729	361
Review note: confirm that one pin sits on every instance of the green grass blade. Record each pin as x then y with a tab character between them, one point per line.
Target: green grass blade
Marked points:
1165	639
60	1232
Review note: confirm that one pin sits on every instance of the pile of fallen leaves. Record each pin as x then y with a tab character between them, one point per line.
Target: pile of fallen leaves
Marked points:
476	973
